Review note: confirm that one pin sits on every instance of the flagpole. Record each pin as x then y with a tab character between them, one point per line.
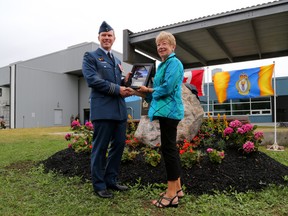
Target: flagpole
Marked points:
208	94
275	146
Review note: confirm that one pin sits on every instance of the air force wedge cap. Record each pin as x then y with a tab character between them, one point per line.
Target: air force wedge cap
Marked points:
105	27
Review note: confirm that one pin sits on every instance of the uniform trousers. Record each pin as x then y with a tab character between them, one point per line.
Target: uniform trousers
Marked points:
108	135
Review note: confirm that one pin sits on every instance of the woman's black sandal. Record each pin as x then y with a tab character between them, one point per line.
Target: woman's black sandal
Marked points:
179	192
159	203
163	193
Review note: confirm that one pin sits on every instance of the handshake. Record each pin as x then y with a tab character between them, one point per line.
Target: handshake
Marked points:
128	91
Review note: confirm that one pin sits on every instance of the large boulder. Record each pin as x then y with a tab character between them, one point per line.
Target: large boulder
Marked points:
148	132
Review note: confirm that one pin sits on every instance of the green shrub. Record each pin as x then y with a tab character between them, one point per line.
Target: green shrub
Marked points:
152	156
81	138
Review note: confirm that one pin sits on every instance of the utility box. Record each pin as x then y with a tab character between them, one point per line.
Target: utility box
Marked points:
134	106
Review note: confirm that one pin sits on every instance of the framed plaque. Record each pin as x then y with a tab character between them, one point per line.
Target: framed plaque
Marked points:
141	74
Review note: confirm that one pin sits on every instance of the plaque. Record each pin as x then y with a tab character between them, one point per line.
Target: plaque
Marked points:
141	74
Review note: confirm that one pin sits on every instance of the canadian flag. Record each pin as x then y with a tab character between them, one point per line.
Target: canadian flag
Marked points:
196	78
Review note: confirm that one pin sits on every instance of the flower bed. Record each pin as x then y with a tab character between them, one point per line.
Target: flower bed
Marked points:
214	137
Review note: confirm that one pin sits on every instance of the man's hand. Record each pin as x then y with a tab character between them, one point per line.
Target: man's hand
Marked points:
137	92
127	78
126	91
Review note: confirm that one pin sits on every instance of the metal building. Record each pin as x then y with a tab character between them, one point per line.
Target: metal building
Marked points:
48	90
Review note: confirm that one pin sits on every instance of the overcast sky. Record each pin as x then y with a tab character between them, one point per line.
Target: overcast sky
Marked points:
32	28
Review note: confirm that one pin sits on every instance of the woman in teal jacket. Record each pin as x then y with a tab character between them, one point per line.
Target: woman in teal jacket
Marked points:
166	105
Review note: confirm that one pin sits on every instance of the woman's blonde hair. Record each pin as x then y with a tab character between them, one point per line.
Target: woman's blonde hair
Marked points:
163	35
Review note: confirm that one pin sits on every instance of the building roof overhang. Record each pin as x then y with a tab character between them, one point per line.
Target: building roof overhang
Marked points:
253	33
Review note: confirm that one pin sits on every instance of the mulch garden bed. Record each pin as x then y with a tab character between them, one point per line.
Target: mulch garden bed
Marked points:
236	172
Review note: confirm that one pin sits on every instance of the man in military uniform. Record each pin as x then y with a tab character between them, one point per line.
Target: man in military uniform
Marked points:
108	113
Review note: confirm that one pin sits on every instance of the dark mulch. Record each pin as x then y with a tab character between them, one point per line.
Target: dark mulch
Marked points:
236	172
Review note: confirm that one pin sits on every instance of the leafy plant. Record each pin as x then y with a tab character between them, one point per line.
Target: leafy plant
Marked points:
188	156
132	125
81	138
129	155
219	134
215	156
211	132
131	140
152	156
243	136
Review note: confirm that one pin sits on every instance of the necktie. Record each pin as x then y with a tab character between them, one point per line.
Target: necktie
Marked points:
110	56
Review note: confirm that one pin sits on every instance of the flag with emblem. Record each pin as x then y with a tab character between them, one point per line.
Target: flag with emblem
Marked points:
244	83
196	78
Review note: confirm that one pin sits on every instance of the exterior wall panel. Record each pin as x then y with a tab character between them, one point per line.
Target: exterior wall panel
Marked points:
40	93
5	76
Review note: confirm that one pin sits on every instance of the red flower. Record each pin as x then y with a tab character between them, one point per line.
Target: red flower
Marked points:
181	151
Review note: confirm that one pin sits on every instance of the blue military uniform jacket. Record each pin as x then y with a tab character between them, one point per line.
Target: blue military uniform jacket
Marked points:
104	77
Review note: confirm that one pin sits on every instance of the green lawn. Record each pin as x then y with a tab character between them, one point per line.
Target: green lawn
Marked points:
26	190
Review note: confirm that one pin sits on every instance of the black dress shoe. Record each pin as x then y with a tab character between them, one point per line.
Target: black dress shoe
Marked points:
118	187
104	194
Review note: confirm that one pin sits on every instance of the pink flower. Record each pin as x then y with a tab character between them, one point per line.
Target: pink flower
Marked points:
248	146
68	136
75	124
240	131
209	150
235	124
258	135
228	131
89	125
247	127
222	154
69	145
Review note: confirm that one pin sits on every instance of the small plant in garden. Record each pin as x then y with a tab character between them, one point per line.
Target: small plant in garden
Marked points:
219	134
188	156
81	138
242	136
131	141
132	125
215	156
130	131
211	132
152	156
129	155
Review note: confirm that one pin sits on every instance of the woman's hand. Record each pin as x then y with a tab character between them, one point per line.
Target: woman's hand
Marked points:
143	89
